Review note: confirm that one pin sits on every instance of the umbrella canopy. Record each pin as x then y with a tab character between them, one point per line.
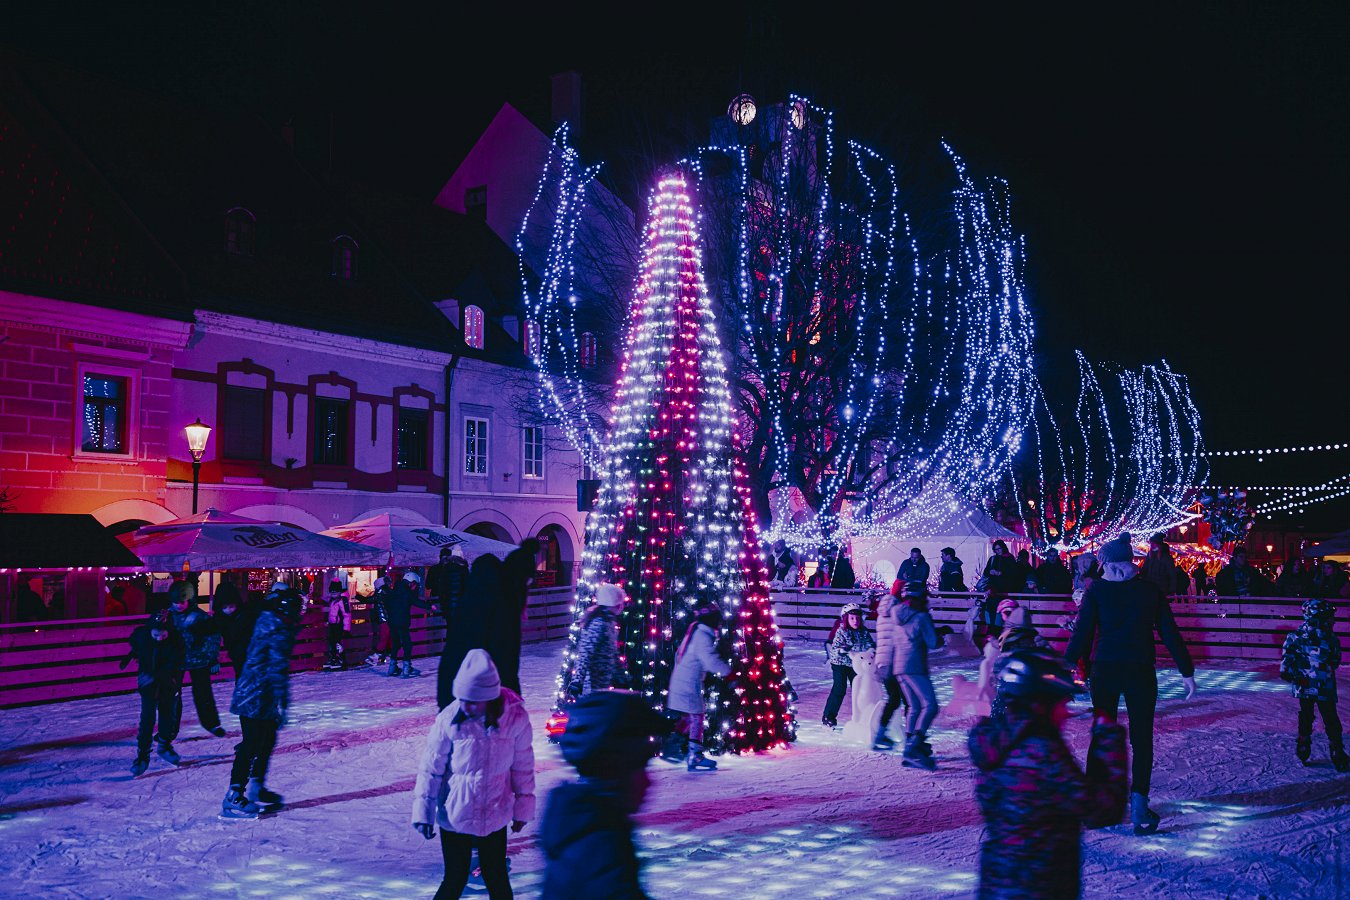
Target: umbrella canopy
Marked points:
216	540
59	541
1338	545
405	543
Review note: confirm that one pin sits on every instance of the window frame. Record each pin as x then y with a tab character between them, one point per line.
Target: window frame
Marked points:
241	230
475	327
425	413
227	425
346	249
132	429
347	442
527	464
482	446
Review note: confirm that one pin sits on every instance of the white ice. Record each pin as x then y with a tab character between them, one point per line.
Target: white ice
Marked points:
823	818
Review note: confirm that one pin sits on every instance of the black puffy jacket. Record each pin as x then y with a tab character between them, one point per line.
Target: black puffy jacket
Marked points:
587	840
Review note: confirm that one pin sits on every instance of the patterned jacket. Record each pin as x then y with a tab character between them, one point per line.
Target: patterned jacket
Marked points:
597	653
1035	801
263	688
846	641
201	642
1309	660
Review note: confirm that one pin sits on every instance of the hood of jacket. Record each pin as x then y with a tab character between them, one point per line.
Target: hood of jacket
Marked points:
904	613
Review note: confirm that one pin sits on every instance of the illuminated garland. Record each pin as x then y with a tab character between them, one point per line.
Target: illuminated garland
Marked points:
673	523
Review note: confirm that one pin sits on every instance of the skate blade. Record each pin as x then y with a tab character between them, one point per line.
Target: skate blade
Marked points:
235	816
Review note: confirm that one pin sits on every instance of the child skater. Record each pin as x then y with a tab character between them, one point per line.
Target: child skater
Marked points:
696	657
1309	660
158	651
1034	798
1017	634
905	634
850	635
339	624
476	777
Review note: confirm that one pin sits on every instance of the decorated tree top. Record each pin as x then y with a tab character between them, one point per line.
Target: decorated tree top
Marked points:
673	523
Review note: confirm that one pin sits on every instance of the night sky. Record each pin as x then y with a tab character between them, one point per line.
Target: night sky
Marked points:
1180	173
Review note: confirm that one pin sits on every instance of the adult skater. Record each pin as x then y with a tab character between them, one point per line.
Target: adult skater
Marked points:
261	698
402	597
519	570
1122	611
597	661
201	647
466	626
1034	798
158	651
447	579
587	829
233	622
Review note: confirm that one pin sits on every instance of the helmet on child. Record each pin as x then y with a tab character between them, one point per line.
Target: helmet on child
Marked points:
1035	675
850	608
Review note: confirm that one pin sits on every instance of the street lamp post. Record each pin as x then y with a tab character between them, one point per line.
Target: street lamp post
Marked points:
197	433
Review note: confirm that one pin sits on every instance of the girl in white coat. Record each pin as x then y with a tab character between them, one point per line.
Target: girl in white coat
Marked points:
476	777
696	657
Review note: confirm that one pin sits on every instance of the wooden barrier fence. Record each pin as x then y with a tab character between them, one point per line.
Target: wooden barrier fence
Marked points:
1213	628
41	662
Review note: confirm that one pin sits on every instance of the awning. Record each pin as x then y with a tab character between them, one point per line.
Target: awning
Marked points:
60	541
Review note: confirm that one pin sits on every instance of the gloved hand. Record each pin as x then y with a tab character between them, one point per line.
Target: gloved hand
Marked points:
517	826
424	829
1190	686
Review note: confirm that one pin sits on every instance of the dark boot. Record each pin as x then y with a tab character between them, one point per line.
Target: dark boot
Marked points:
1303	748
1145	820
882	741
167	753
673	750
140	763
393	668
914	757
697	761
236	805
1338	757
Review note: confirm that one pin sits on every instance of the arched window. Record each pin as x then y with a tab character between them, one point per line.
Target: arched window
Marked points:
473	327
587	350
344	257
531	337
240	228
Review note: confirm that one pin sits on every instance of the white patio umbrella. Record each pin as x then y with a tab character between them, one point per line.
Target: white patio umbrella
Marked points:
406	543
216	540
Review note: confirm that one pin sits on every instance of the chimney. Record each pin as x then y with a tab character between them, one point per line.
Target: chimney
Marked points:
567	102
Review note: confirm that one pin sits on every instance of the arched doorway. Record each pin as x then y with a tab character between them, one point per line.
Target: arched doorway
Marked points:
126	526
490	530
556	549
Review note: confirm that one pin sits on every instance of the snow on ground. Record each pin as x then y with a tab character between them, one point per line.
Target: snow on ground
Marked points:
823	818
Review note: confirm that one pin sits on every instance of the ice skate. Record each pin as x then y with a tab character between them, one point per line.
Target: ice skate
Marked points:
696	761
1338	757
168	754
672	751
914	756
262	798
829	723
237	806
1303	748
218	731
409	671
140	764
1145	820
373	660
883	741
393	668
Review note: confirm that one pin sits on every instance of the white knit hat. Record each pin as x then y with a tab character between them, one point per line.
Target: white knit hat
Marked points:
477	678
610	595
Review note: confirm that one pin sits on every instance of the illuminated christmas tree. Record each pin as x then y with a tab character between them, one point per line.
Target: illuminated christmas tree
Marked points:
674	523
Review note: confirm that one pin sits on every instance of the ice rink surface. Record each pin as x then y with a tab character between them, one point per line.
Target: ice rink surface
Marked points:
823	818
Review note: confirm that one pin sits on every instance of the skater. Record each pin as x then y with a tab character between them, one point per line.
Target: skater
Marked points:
233	622
447	579
587	829
1308	661
696	657
905	634
158	651
519	570
476	777
597	661
339	624
402	597
261	698
466	627
1121	612
201	643
1032	795
380	637
1017	634
850	635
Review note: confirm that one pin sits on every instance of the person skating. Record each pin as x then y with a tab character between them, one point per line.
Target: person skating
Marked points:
201	643
261	699
696	657
380	637
1308	660
597	660
586	831
158	651
1034	798
402	597
905	634
233	622
476	777
447	580
850	635
519	569
466	626
339	624
1121	612
1017	634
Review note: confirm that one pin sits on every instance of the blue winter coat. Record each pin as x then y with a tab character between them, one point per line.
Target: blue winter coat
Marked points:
587	841
201	644
263	688
156	661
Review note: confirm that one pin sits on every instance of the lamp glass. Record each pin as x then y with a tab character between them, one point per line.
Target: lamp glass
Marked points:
742	110
197	433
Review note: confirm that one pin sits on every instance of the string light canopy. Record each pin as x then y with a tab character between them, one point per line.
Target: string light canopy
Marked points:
673	522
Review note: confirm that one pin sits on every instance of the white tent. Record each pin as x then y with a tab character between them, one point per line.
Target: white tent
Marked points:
971	535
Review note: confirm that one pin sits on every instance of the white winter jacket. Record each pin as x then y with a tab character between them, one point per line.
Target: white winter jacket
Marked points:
686	679
476	780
